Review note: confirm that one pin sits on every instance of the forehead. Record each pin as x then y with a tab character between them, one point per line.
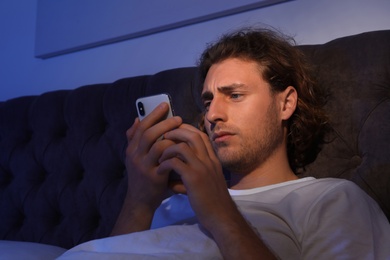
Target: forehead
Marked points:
233	72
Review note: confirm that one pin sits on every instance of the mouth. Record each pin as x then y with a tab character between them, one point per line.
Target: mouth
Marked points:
221	136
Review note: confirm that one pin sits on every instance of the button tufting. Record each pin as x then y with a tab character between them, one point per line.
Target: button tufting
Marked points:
106	126
95	222
355	161
42	176
80	175
6	177
28	137
63	132
58	219
19	221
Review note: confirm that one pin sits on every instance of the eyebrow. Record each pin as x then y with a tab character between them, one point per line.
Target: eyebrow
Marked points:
208	95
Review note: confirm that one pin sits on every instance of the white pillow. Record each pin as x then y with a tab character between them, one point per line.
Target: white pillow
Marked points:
10	250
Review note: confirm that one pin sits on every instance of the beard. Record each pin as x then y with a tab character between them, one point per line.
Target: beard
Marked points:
255	149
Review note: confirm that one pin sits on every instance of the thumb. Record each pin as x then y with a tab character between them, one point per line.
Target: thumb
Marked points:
177	187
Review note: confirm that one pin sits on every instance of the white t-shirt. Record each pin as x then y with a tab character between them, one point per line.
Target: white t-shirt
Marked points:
301	219
317	219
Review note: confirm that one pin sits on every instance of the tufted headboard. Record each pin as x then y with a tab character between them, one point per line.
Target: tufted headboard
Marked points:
356	70
62	173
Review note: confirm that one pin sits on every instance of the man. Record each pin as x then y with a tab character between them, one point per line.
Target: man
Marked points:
263	121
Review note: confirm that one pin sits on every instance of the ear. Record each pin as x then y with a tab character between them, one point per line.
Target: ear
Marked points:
288	102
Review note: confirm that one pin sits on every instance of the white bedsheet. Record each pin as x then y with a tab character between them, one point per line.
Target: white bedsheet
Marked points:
173	242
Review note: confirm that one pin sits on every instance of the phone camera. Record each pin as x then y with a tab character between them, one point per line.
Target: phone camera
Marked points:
141	108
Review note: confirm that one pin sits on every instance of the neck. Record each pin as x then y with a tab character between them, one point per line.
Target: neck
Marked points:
275	170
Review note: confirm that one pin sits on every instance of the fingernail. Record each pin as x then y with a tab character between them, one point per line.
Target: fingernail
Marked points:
178	119
163	105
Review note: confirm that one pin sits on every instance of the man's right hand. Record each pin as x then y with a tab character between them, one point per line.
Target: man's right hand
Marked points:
146	188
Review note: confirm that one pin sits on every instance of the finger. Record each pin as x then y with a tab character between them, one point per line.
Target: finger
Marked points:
209	147
182	159
177	187
131	131
172	164
196	139
155	116
132	142
149	136
180	154
156	151
205	138
152	127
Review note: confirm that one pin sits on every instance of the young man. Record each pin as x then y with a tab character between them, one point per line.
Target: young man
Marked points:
263	122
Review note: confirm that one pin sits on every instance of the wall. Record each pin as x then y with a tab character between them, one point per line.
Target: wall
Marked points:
309	21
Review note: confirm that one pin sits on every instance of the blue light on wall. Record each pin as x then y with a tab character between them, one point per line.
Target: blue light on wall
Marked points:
66	26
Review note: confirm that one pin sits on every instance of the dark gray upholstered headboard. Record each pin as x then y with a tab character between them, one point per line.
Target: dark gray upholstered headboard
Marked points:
62	176
356	70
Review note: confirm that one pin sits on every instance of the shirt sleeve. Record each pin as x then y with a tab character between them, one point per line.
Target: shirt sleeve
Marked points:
345	223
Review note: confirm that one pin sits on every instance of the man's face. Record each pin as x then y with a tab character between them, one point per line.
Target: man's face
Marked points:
242	118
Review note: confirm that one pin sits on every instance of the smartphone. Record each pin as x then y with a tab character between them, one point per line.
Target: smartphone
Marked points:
145	105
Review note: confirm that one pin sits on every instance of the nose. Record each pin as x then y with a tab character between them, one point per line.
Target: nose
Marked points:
216	111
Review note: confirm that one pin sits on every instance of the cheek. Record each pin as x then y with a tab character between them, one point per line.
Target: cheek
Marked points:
252	119
248	115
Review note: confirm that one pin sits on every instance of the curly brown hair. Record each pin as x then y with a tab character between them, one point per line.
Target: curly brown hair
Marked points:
283	65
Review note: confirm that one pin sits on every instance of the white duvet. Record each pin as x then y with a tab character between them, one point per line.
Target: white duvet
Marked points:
173	242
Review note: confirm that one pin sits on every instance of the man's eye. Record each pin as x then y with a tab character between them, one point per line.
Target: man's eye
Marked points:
235	96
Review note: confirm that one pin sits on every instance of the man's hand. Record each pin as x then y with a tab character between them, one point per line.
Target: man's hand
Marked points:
144	149
146	186
191	155
193	158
